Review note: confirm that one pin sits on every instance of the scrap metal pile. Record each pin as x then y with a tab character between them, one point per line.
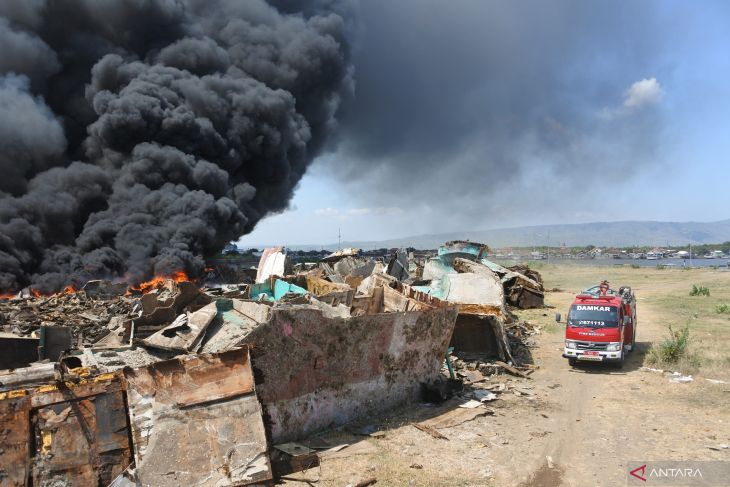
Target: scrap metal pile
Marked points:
100	382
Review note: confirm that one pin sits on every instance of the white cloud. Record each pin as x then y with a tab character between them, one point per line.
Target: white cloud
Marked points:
642	93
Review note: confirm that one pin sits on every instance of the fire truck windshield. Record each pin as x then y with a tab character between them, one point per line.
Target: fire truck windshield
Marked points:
593	316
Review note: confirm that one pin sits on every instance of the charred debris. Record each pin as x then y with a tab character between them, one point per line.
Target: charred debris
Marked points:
171	383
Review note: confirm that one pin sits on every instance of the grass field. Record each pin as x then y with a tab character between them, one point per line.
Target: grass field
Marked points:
663	299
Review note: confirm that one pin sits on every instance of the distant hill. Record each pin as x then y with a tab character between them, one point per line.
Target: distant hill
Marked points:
612	234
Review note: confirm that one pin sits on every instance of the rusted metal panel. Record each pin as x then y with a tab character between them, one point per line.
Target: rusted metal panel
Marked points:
525	297
338	369
75	434
86	386
522	286
82	442
397	301
369	303
206	406
330	292
14	440
481	309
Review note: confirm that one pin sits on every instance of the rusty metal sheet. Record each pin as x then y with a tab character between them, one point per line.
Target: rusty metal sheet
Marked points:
75	434
368	304
196	420
481	309
395	301
80	432
14	445
320	287
525	298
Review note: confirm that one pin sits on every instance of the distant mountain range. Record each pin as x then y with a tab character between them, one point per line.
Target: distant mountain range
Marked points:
602	234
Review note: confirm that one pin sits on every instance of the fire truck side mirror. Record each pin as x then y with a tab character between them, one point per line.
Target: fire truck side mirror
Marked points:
557	317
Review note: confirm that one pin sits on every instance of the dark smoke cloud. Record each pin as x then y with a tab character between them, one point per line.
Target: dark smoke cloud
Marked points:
138	137
456	101
31	136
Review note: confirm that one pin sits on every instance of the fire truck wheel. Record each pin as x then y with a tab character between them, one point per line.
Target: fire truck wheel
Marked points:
572	362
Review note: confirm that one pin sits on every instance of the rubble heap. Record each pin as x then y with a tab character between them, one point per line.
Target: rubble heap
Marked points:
88	317
168	363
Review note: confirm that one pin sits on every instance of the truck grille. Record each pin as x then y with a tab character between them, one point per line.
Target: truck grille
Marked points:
591	346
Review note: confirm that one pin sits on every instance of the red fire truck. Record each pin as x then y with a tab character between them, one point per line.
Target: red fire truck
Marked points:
601	325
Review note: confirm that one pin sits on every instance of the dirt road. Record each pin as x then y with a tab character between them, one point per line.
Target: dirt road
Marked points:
603	418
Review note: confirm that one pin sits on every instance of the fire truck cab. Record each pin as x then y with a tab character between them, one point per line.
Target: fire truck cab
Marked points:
601	325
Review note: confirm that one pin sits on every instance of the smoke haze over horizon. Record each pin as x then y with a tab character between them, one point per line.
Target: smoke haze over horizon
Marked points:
139	137
495	114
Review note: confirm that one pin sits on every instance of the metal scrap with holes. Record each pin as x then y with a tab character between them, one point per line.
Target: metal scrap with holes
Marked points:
65	434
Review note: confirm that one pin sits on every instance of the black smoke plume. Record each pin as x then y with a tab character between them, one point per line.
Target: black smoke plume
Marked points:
138	137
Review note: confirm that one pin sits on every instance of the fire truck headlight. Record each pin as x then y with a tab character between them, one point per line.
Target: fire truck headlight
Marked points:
613	347
570	344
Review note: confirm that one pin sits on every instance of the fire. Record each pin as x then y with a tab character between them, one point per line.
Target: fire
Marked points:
143	288
157	282
70	289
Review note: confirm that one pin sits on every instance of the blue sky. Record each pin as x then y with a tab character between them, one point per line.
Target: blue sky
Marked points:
642	108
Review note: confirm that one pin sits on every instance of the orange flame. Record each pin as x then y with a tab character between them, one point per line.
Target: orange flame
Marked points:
143	288
157	282
70	289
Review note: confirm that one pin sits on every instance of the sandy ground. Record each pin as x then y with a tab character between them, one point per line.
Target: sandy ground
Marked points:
591	421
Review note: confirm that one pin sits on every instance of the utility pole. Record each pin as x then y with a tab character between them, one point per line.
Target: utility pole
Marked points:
690	251
548	247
